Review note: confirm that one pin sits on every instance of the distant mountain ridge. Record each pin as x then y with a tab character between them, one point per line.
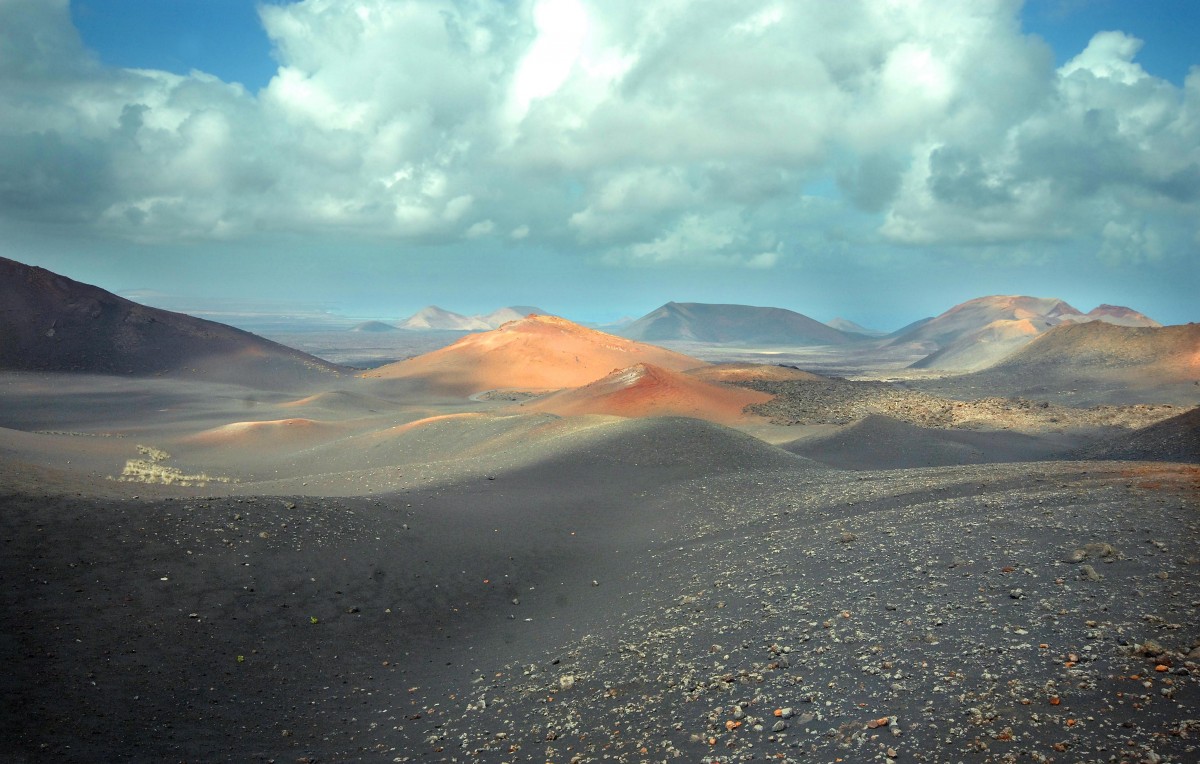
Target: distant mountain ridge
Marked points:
501	316
1121	316
719	323
375	326
49	322
980	332
433	318
849	327
973	315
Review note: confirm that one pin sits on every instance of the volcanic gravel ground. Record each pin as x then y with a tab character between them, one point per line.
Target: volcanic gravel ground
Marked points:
838	401
986	613
940	615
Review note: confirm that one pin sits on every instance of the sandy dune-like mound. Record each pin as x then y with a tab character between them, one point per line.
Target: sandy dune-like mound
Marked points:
535	353
881	442
620	453
274	433
51	323
747	372
645	390
474	440
628	451
442	450
744	324
430	420
339	402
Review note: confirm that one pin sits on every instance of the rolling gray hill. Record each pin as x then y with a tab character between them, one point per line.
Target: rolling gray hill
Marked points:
733	324
375	326
848	326
1090	363
879	442
1173	440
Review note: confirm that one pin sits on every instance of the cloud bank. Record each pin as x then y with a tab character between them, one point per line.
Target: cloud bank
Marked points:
693	132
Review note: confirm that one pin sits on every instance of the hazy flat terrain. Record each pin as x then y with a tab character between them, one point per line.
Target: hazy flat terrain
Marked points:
364	350
440	561
866	360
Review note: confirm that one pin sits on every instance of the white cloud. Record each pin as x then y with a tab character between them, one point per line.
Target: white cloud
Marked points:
1109	56
1113	143
480	229
1129	242
621	204
562	27
717	240
668	133
763	260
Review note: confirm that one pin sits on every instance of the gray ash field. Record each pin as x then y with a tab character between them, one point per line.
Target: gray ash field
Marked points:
956	614
940	616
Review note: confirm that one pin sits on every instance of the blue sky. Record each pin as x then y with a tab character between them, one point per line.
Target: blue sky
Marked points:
875	161
221	37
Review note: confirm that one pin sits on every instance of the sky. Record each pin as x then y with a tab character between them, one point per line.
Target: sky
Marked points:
879	160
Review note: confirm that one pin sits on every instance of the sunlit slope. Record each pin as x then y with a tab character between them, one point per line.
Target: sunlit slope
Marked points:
534	353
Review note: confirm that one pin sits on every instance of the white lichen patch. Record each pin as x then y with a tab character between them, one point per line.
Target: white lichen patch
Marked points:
153	454
153	469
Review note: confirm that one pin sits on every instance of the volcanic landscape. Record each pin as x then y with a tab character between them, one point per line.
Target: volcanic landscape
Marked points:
719	533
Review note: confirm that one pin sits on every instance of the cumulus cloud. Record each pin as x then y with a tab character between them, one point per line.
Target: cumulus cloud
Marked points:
1112	144
683	132
1129	242
721	239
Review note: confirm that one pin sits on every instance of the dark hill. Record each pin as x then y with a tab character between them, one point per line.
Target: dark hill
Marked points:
733	324
1173	440
1098	345
1090	363
879	442
49	322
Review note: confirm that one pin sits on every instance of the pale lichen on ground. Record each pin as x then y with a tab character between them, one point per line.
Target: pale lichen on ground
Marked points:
152	469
